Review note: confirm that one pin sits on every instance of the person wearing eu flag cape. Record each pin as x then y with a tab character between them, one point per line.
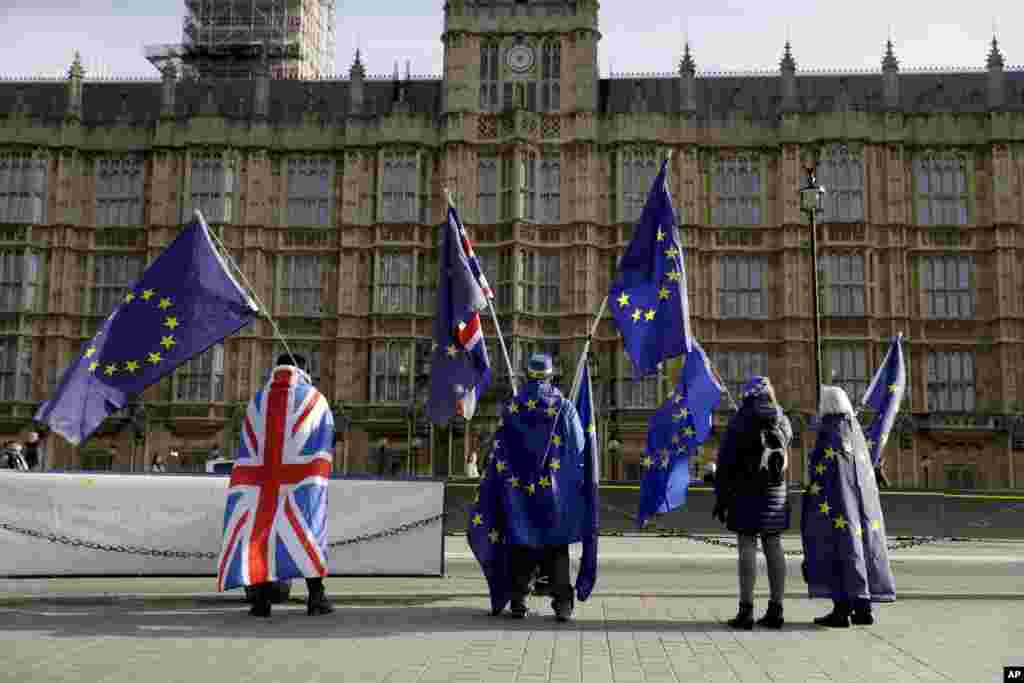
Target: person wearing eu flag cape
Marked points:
751	495
842	526
533	496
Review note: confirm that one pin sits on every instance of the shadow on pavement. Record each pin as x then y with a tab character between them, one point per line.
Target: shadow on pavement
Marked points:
292	623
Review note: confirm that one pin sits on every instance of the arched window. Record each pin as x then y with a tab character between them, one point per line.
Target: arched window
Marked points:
550	71
841	173
488	76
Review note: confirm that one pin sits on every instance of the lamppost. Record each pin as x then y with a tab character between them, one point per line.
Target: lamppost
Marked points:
812	200
420	381
614	446
137	413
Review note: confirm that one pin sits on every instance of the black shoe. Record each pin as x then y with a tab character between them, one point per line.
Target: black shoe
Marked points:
518	609
318	604
260	609
835	619
862	617
563	610
542	586
773	617
744	619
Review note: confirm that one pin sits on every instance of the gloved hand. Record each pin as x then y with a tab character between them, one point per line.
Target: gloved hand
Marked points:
720	512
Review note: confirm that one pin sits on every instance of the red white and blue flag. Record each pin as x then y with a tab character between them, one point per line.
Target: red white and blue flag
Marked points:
275	521
467	248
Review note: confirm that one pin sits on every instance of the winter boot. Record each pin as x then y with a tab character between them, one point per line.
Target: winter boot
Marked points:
744	619
839	617
518	609
317	602
773	617
862	615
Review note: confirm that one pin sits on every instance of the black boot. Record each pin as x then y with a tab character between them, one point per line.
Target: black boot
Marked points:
317	602
517	609
260	601
839	617
773	617
563	608
862	615
744	619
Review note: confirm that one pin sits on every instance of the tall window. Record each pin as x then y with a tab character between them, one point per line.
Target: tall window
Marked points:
941	190
487	197
201	379
15	369
948	284
119	188
841	172
742	290
426	282
489	76
213	182
842	276
497	266
550	71
399	186
540	283
736	367
549	208
394	282
310	191
951	381
309	351
528	178
23	181
636	392
301	284
390	371
113	275
737	183
638	168
847	367
19	280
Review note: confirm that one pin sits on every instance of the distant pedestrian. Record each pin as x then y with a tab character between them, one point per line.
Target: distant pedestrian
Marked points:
472	471
383	458
35	456
158	464
751	495
12	457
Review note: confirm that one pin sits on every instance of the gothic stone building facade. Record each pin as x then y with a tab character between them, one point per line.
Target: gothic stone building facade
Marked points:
329	194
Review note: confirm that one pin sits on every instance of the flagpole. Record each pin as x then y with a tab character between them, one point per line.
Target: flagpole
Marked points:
494	316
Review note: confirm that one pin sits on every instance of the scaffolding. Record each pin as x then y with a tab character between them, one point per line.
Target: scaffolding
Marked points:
243	38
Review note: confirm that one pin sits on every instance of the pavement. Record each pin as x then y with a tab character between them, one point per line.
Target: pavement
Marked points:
657	615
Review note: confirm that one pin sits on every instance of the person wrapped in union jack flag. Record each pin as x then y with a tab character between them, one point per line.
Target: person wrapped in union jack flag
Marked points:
275	520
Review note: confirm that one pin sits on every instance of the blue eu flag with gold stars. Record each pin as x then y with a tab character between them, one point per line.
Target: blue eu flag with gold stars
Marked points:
186	302
679	426
648	295
885	394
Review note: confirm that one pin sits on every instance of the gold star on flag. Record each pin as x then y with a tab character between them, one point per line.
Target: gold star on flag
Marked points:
893	387
530	488
129	297
171	322
513	407
671	252
494	536
857	531
678	417
675	439
820	469
840	522
637	315
660	236
500	466
663	294
673	275
545	482
646	462
513	482
556	464
110	370
556	440
650	314
147	294
477	519
685	412
164	304
671	395
824	508
131	366
623	300
531	404
452	351
155	358
90	352
876	525
93	365
830	453
689	431
552	411
167	342
815	489
592	429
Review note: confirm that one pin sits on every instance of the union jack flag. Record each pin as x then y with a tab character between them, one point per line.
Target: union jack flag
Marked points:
275	521
467	248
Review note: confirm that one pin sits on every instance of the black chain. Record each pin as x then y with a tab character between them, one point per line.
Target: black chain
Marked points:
198	555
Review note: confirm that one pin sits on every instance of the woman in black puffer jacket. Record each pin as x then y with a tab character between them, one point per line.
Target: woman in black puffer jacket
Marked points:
752	501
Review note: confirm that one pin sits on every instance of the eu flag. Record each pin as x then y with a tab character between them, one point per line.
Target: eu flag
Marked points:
680	425
460	371
885	395
186	302
587	577
648	295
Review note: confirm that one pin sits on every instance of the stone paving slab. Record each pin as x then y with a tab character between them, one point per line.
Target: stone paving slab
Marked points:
618	640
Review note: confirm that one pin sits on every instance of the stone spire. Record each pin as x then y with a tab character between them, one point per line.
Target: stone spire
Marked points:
787	67
995	63
890	78
357	75
76	74
687	82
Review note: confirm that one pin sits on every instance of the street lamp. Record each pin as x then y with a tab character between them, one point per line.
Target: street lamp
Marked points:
812	200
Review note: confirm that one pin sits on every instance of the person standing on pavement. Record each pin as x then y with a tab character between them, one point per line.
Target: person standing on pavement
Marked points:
13	458
751	496
35	456
275	524
842	527
472	471
158	464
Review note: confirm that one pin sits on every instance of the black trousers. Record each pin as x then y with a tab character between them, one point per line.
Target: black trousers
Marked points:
553	561
262	590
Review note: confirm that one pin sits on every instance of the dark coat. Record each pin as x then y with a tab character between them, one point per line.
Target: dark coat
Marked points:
756	499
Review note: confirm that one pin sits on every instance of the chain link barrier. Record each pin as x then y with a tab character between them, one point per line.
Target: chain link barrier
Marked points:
70	541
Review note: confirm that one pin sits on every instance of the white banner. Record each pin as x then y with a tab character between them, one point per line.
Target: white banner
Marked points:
112	524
